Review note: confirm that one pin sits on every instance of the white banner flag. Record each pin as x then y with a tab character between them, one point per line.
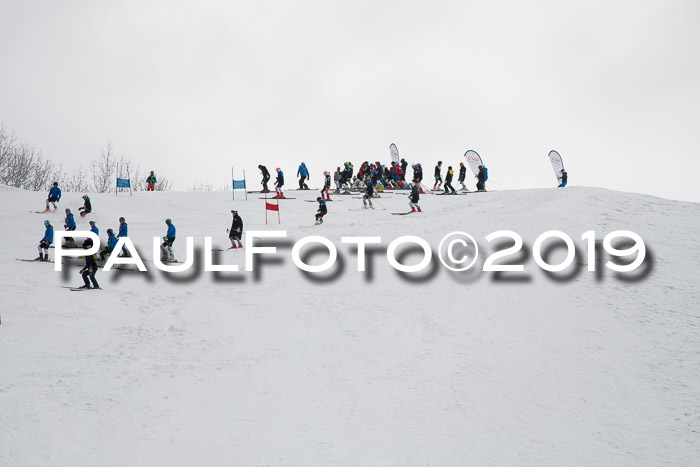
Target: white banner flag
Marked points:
557	163
394	153
473	160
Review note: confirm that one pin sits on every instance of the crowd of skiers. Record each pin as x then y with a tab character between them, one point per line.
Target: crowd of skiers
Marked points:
370	180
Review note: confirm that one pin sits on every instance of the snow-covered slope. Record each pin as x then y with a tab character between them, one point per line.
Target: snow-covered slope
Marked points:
374	368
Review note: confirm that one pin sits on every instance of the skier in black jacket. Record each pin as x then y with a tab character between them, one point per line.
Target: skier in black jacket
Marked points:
88	272
462	176
414	197
448	180
265	179
438	176
236	230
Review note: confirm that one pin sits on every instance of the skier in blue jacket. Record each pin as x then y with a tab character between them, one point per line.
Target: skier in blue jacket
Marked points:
166	249
54	196
94	229
45	242
563	178
111	243
70	226
303	172
123	232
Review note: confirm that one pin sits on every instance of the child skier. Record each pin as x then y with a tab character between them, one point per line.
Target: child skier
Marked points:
279	183
338	178
563	178
54	196
414	197
70	226
481	177
111	243
448	180
322	210
151	182
45	242
326	186
86	208
265	179
369	192
90	268
438	176
123	232
166	249
462	176
236	230
94	229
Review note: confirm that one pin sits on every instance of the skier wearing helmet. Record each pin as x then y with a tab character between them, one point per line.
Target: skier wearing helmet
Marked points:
70	226
86	208
45	242
303	172
166	249
462	176
123	232
322	210
279	183
326	186
236	230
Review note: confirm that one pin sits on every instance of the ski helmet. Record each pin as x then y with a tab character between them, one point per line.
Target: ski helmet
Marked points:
319	199
461	163
233	211
85	196
121	219
67	210
325	173
439	162
87	243
92	222
110	232
47	223
168	221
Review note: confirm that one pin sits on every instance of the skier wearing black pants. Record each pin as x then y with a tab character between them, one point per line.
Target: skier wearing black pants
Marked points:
462	176
265	179
88	272
414	197
236	230
322	210
369	192
448	180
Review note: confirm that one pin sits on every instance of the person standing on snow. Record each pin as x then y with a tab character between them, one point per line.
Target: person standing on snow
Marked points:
367	197
462	176
166	249
123	232
438	176
54	196
70	226
90	268
111	243
448	180
303	172
151	182
326	186
322	210
481	177
279	183
236	230
338	178
414	197
265	179
563	178
45	242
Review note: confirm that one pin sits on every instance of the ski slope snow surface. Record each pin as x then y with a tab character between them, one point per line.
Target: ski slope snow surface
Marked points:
283	367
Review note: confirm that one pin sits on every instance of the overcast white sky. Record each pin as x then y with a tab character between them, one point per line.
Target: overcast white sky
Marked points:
189	89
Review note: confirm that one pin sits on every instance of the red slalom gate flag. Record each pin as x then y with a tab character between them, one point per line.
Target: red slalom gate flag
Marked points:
272	207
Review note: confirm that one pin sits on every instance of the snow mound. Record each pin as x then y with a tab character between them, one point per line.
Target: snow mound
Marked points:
284	367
